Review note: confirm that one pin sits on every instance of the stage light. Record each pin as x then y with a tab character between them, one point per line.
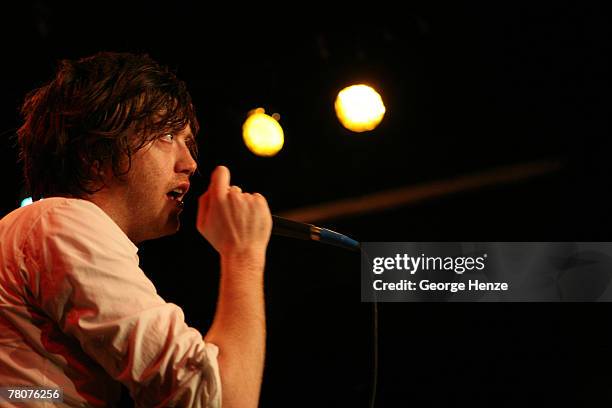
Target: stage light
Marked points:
262	134
359	108
26	201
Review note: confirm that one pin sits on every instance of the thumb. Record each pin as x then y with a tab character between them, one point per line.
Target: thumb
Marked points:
219	181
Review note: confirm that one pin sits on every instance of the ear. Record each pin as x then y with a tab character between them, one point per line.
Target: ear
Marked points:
98	175
96	169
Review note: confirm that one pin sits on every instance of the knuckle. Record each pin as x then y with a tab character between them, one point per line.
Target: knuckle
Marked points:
259	198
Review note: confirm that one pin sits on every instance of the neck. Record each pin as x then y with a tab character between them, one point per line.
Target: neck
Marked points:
117	210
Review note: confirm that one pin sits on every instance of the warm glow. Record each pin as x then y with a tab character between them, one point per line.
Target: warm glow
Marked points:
262	134
359	108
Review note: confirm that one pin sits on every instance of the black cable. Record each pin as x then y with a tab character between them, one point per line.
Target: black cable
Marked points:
294	229
374	389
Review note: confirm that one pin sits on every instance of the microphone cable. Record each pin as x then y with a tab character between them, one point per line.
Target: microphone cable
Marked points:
374	388
294	229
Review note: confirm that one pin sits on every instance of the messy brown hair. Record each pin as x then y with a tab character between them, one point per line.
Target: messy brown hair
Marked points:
95	112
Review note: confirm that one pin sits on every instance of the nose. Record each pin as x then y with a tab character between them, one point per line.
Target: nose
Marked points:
186	163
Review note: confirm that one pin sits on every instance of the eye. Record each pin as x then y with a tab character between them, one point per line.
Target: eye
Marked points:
191	144
168	137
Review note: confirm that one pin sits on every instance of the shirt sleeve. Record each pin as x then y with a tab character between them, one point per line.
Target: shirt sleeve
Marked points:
87	279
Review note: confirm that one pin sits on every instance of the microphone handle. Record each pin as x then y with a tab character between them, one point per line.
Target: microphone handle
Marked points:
299	230
292	229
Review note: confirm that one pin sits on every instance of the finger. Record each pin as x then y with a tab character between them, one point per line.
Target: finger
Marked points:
260	198
204	205
204	202
235	189
219	180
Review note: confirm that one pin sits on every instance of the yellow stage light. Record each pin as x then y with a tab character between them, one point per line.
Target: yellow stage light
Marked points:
359	108
262	134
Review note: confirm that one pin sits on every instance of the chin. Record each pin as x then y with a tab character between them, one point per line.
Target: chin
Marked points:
172	227
162	228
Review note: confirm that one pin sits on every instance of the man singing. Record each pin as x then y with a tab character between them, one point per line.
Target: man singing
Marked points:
109	143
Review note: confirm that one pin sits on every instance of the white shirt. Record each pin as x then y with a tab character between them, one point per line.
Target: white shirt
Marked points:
77	313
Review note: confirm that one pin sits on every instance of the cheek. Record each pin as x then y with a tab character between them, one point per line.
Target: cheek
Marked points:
150	175
144	198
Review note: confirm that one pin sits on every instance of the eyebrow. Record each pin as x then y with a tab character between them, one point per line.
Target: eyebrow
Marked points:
190	141
190	138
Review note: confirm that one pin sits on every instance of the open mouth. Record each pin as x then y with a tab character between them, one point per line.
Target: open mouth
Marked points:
177	194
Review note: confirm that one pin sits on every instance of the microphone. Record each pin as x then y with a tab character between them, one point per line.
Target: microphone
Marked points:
293	229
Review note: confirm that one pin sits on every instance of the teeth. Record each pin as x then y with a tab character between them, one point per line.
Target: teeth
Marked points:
176	193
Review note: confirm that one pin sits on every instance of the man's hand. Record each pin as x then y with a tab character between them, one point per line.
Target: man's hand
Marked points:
232	221
238	226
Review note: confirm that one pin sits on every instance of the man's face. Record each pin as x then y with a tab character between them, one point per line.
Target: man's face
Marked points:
151	193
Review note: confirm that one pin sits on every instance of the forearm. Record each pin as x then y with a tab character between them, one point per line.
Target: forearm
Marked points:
239	329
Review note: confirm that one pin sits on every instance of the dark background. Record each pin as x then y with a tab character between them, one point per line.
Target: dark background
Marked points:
468	87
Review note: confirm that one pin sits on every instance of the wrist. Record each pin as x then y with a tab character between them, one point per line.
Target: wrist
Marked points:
249	254
243	262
